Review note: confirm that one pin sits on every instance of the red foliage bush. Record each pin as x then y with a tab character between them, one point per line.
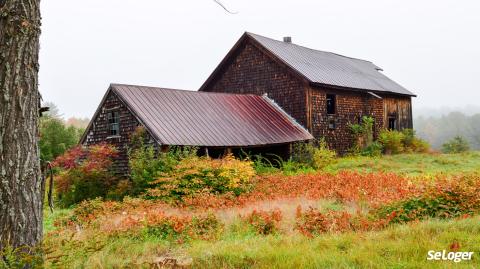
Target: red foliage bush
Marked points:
85	173
264	222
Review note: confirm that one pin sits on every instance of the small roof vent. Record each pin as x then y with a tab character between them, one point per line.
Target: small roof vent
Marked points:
287	39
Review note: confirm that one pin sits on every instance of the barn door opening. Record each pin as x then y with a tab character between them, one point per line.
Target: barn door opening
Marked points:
392	123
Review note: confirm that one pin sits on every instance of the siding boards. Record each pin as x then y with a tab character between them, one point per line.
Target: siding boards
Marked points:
400	108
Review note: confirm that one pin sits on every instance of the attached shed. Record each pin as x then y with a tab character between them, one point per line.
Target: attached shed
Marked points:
216	122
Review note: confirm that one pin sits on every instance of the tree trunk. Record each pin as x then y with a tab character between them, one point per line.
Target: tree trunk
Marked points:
21	188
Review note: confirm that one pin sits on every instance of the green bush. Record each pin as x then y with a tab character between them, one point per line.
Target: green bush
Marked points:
374	150
392	141
147	164
323	156
315	155
363	134
456	145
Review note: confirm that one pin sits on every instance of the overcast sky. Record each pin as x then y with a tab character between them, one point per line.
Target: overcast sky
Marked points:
431	47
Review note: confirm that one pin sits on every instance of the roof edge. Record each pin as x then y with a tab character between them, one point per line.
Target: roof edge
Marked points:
285	114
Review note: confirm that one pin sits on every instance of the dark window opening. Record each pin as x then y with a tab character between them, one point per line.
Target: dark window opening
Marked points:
332	124
113	123
331	109
392	123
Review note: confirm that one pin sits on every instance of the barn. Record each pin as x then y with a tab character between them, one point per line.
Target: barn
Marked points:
264	96
217	123
325	92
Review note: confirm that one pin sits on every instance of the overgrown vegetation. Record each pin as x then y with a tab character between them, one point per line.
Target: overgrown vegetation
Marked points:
278	212
85	173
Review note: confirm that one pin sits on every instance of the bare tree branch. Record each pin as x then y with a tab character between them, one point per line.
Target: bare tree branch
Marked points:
223	6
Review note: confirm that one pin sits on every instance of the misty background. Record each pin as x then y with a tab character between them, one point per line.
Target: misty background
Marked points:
429	47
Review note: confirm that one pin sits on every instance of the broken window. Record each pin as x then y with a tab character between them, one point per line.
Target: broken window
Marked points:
392	123
113	123
331	104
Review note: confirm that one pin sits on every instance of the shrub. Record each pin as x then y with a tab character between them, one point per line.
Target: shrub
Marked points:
182	227
146	165
456	145
374	150
363	133
195	175
303	153
313	222
322	156
85	173
264	222
442	199
308	155
411	143
392	141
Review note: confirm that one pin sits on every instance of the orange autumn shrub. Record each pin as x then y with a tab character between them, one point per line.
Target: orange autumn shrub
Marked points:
200	175
313	222
264	222
372	189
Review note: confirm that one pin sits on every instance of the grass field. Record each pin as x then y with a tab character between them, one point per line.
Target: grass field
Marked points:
413	164
104	243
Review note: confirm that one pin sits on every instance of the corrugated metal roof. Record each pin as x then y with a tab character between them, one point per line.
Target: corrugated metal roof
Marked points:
177	117
330	68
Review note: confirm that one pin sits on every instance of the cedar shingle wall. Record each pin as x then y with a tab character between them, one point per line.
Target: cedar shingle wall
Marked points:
350	107
253	72
99	133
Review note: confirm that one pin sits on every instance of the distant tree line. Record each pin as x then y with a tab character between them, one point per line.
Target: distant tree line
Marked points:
439	130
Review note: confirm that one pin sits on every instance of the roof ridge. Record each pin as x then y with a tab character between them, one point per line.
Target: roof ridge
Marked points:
316	50
180	90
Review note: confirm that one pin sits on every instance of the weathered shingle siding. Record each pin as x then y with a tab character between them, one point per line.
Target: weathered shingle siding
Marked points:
350	107
99	133
253	72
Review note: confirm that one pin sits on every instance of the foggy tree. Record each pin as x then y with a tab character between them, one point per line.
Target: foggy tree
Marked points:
21	188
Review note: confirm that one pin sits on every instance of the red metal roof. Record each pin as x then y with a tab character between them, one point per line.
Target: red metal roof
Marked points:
178	117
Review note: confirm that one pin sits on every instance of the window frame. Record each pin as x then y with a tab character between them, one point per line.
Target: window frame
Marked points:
331	105
113	123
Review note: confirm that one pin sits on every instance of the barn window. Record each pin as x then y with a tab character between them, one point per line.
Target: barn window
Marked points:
392	123
331	109
113	123
331	124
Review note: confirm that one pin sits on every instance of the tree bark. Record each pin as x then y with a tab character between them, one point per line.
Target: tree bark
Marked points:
21	186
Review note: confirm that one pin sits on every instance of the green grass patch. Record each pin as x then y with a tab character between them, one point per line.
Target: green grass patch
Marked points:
412	164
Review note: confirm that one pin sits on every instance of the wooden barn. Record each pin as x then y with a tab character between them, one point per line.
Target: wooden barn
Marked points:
325	92
217	123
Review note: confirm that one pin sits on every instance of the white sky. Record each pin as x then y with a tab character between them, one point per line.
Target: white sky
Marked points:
431	47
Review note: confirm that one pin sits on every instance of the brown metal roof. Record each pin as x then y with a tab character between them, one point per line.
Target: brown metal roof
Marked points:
177	117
